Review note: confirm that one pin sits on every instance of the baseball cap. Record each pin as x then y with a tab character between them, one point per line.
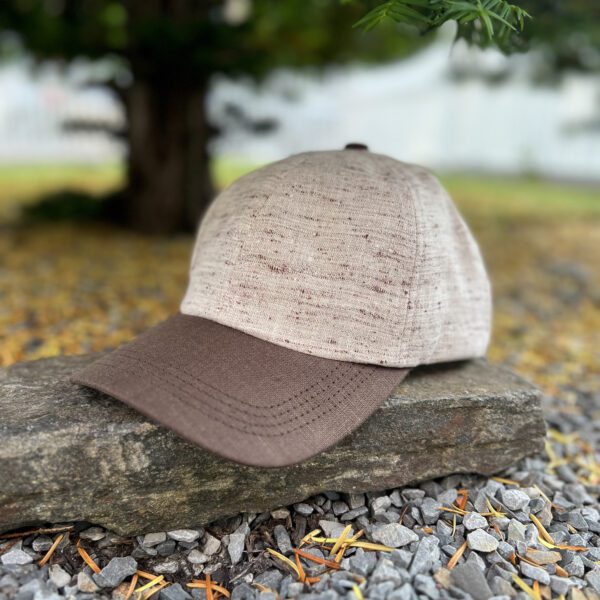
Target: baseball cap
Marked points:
316	283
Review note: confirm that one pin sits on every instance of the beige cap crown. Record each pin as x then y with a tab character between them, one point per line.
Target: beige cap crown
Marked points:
347	255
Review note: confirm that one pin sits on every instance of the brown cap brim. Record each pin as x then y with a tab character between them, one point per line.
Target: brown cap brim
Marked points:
238	396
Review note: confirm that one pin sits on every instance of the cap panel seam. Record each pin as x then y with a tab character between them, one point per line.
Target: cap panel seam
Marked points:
401	357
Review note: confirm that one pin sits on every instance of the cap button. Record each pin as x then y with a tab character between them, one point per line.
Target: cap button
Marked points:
356	147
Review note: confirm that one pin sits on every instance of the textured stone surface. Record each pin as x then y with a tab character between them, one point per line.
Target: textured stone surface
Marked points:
68	453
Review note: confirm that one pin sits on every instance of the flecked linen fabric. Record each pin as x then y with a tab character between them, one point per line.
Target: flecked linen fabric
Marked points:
239	396
315	284
346	255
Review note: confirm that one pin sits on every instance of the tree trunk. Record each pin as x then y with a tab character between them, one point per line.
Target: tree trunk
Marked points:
170	183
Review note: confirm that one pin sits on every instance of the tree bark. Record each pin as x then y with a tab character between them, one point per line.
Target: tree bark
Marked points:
169	179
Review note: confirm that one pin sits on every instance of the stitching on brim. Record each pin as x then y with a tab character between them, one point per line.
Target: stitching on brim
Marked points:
196	408
175	377
219	408
193	377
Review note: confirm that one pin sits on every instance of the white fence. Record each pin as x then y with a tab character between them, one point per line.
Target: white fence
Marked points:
417	111
414	110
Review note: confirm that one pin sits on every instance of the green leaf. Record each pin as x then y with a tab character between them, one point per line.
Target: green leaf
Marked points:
487	22
480	21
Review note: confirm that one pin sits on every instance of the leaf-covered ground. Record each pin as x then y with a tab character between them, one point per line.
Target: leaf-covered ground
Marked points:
74	288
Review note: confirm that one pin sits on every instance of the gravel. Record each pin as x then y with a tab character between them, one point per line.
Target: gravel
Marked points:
174	592
535	573
153	539
211	545
16	556
515	499
184	535
282	537
58	576
115	572
481	541
42	543
236	547
85	583
393	535
411	520
469	578
474	520
93	534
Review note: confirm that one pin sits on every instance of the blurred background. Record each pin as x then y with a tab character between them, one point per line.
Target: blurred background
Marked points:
119	121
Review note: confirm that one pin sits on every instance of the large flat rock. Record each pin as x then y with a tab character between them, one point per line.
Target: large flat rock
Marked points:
68	453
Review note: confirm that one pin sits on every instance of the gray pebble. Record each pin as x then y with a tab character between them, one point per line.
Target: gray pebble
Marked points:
516	531
270	579
363	562
536	505
501	587
401	558
560	585
355	500
331	529
380	504
211	545
282	537
16	556
184	535
447	497
166	548
393	535
430	510
514	499
116	571
385	570
474	520
37	589
198	558
426	585
426	555
174	592
236	547
593	579
280	514
576	520
469	578
396	498
42	543
85	583
443	528
166	567
295	589
141	552
481	541
94	534
535	573
476	558
153	539
303	509
389	516
244	592
354	513
58	576
566	473
412	494
339	508
575	568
